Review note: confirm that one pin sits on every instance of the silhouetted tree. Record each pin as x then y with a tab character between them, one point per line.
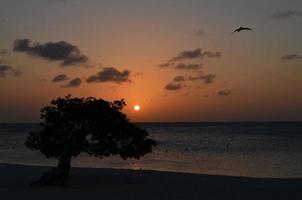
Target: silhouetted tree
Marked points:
94	126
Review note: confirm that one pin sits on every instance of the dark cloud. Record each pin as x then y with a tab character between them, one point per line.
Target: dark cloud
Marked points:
189	66
291	57
76	82
207	79
165	65
186	60
188	55
60	77
179	79
222	93
195	54
110	74
64	52
173	86
210	54
6	70
182	66
286	14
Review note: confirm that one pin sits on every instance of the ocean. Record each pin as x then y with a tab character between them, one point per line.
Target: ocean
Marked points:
253	149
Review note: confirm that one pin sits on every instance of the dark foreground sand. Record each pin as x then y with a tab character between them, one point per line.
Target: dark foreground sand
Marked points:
129	184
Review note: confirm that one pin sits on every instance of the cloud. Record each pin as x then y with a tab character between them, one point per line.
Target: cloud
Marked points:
195	54
173	86
186	60
6	70
210	54
179	79
182	66
189	66
110	74
291	57
62	51
60	77
286	14
76	82
190	54
165	65
176	82
207	79
222	93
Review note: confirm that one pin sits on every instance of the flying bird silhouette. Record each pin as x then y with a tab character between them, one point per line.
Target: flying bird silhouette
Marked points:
242	29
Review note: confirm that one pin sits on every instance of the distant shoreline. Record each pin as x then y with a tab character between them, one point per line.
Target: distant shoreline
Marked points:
188	122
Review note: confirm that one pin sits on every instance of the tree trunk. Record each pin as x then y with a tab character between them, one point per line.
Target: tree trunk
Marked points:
64	168
58	175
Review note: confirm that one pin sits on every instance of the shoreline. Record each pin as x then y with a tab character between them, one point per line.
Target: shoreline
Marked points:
94	183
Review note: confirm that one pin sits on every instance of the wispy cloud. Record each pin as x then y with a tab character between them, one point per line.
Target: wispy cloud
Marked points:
173	86
62	51
189	66
166	65
60	78
76	82
195	54
183	66
222	93
190	59
292	57
207	79
179	79
7	70
287	14
178	82
110	74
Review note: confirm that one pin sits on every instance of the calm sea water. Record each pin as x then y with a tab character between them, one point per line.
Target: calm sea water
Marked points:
241	149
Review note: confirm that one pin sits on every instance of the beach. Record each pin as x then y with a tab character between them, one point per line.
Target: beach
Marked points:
89	183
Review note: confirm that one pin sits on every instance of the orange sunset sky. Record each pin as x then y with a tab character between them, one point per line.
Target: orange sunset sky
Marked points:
135	49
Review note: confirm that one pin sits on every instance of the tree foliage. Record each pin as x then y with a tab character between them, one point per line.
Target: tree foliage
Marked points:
94	126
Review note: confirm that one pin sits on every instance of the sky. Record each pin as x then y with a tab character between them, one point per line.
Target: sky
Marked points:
177	59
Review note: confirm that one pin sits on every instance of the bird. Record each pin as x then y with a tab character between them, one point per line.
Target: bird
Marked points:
242	29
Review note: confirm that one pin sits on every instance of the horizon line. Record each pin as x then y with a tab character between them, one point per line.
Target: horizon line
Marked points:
182	122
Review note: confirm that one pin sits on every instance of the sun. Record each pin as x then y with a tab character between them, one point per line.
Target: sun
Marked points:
137	108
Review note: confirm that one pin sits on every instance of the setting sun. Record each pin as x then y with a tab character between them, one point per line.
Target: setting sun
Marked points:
137	107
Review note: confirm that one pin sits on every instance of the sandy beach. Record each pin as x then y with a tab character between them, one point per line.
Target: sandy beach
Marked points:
86	183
